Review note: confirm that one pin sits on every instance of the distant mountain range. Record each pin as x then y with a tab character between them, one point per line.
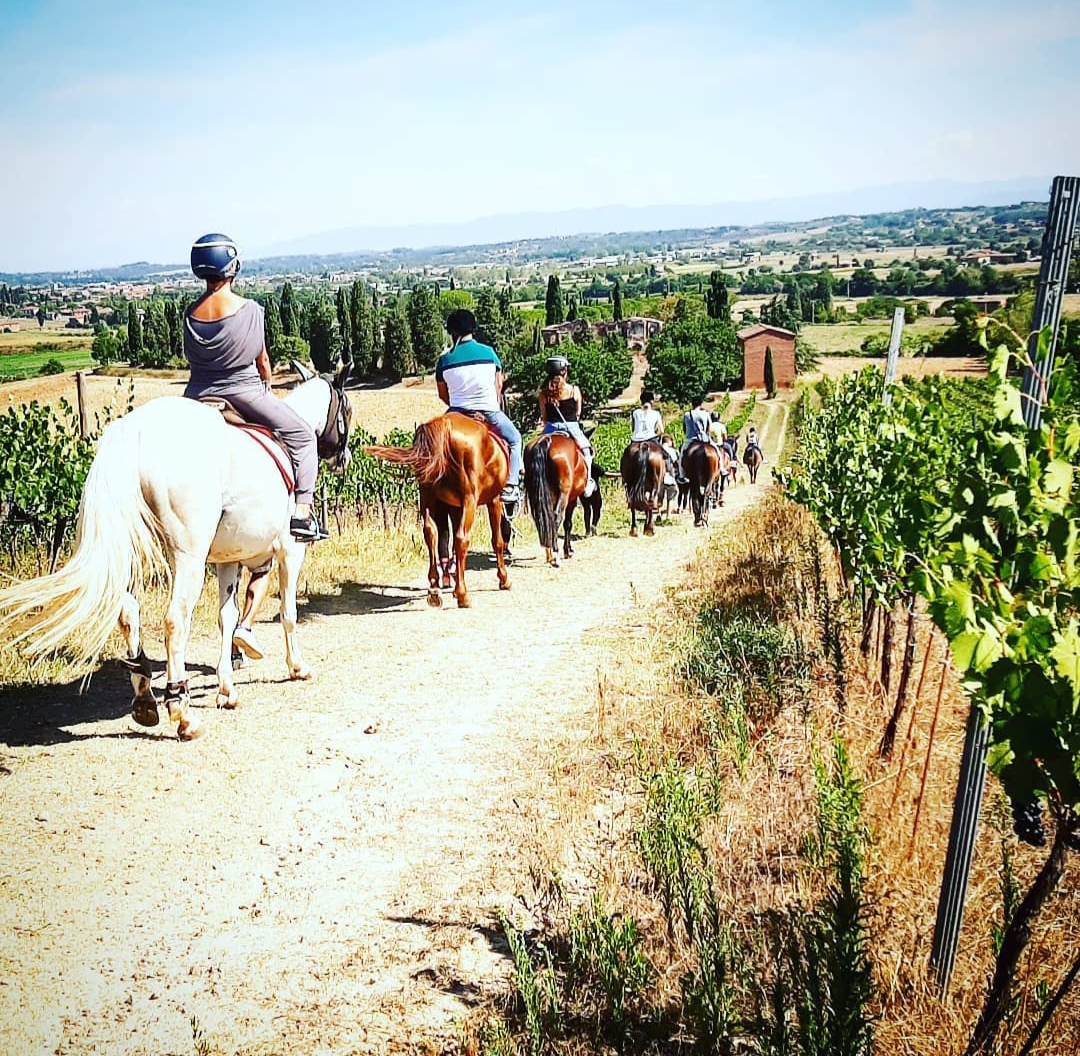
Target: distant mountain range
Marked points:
361	242
935	194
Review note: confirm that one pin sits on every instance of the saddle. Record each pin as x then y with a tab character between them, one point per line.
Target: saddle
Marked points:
268	440
495	435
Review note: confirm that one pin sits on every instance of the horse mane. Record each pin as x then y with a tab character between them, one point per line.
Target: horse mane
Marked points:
429	456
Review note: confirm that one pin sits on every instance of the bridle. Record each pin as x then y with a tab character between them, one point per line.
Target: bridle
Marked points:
334	435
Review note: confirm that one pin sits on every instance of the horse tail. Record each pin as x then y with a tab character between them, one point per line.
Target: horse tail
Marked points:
429	456
638	492
118	547
542	497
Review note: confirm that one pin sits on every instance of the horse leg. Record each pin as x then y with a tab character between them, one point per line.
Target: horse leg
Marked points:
462	524
228	577
144	703
650	512
289	566
431	541
187	585
498	541
568	527
633	522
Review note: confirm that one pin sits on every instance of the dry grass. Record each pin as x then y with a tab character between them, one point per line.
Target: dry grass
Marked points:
643	708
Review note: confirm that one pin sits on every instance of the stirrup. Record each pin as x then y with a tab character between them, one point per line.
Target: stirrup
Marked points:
307	529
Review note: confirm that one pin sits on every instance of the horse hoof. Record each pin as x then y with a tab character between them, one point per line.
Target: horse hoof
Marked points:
301	673
434	600
633	533
504	586
649	531
189	731
145	712
229	701
464	602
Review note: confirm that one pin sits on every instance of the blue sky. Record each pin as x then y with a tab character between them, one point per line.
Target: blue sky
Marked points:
127	129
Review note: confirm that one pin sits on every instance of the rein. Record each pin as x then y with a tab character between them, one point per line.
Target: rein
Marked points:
334	436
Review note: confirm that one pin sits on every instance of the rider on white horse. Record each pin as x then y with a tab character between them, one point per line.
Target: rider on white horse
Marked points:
223	343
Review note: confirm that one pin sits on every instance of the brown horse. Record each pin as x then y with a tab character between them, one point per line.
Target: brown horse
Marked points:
459	465
642	472
704	466
752	459
554	481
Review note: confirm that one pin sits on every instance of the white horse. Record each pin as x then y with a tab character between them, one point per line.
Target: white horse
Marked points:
173	487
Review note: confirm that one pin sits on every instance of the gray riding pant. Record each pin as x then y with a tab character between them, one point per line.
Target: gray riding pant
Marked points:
259	406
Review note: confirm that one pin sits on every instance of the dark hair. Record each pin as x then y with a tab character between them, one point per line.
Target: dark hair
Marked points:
714	415
699	400
646	397
461	322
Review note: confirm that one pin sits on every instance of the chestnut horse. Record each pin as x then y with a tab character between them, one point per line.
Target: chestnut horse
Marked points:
705	467
642	472
459	465
555	479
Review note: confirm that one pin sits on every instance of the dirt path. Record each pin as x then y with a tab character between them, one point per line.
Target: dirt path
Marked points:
321	872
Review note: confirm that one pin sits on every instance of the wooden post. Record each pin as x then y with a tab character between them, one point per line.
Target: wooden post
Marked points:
84	414
894	353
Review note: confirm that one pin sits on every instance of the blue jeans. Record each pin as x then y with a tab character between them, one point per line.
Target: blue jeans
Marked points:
509	432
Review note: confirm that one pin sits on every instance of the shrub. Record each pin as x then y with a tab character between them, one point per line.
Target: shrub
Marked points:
52	366
692	356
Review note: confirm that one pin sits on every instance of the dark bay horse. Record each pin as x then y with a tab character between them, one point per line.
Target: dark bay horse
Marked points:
642	472
752	459
459	465
704	466
554	481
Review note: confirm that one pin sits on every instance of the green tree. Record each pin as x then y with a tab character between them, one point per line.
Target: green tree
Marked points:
425	326
106	346
770	372
290	311
554	308
41	316
490	323
398	358
134	335
717	301
361	338
451	300
691	356
272	332
378	337
156	347
324	340
344	325
174	321
616	302
572	308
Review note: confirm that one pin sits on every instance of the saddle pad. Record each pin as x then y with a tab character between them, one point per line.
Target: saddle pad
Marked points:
265	439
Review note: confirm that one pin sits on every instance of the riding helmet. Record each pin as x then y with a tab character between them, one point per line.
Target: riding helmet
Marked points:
556	365
215	256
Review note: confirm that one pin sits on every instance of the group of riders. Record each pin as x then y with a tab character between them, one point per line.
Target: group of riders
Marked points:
225	348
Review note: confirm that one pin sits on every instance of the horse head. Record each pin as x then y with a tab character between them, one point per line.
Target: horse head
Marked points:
321	400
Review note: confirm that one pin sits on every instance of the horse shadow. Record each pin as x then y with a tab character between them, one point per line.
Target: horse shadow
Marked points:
33	715
357	599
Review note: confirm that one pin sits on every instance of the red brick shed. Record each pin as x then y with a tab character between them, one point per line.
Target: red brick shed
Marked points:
754	340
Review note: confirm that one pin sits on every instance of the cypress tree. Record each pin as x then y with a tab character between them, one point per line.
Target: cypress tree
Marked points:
571	308
324	339
361	341
290	311
490	328
717	302
176	333
616	302
377	337
341	308
272	327
134	334
425	326
554	308
397	342
770	372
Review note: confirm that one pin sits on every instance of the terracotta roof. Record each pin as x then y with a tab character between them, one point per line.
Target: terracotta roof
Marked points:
762	328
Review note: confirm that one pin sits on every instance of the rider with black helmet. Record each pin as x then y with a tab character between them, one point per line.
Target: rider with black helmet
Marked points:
223	343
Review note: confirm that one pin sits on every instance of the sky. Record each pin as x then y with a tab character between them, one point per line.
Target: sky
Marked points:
127	129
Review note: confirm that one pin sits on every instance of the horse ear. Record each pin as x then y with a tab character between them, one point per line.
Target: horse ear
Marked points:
343	375
303	371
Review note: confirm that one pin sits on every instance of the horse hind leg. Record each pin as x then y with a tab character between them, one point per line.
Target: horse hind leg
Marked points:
433	543
228	577
462	523
289	566
144	704
498	540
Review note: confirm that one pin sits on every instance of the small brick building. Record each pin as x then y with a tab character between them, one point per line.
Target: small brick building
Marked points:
753	340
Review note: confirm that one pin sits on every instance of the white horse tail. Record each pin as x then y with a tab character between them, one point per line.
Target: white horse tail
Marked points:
118	547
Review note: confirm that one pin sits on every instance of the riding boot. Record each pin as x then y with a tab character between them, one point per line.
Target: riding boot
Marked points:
590	484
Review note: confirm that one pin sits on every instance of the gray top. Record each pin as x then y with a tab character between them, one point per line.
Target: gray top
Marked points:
225	348
696	424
